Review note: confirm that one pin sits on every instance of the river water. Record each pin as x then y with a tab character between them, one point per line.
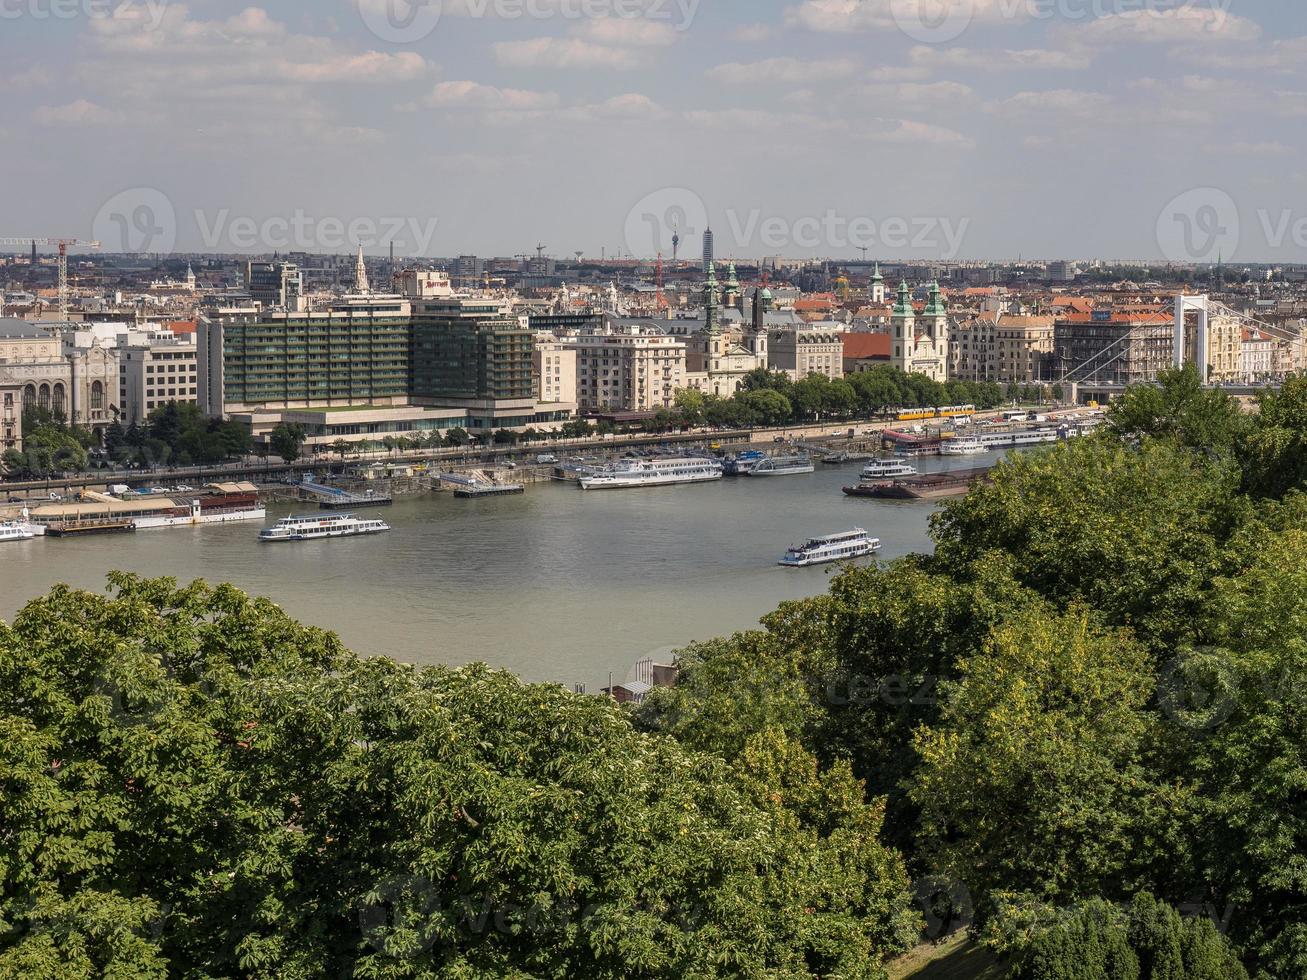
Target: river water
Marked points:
556	585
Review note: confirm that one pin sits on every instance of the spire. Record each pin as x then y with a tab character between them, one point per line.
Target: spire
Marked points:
936	306
904	306
361	276
876	276
710	300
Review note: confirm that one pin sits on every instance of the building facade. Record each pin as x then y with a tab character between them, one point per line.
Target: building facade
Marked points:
1113	347
70	373
153	374
1002	348
628	368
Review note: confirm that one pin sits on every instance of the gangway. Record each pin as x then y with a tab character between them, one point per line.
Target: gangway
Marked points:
334	498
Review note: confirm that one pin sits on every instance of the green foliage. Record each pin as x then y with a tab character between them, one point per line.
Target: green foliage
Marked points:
50	447
193	784
1037	770
1146	941
1134	532
1178	407
287	440
1274	452
180	429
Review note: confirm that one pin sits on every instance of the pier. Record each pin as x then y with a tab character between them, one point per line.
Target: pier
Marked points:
334	498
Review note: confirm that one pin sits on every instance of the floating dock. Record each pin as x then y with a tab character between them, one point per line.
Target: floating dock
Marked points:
471	487
930	486
334	498
68	529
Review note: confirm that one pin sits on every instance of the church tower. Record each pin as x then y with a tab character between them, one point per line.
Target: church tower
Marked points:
903	329
936	326
361	285
756	339
877	286
731	294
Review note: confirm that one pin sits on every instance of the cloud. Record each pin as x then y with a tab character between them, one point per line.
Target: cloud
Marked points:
473	95
1004	59
629	32
920	95
845	16
788	70
911	131
1179	25
1052	102
79	113
564	52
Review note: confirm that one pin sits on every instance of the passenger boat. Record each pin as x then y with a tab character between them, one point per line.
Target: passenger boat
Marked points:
831	548
888	469
784	466
634	473
742	463
316	526
962	447
13	531
930	486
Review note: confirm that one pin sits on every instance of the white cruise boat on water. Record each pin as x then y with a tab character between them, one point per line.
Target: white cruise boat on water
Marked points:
784	466
630	474
963	447
889	469
13	531
834	547
315	527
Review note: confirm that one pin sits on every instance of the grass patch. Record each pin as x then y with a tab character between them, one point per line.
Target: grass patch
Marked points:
957	958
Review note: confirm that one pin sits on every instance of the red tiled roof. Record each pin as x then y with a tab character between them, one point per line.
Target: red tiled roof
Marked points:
866	346
183	326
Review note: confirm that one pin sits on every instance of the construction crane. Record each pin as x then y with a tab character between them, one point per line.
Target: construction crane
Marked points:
63	244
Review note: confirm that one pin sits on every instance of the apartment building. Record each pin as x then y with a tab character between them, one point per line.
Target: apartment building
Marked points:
1002	348
627	367
154	373
1113	346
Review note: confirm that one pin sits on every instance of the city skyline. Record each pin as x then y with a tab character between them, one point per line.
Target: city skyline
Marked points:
1144	130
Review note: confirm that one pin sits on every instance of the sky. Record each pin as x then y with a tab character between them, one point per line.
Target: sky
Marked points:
1165	130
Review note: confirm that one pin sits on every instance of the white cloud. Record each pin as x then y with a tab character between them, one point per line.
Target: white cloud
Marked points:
844	16
473	95
898	73
1053	102
920	95
629	32
911	131
78	113
565	52
791	71
1004	59
1180	25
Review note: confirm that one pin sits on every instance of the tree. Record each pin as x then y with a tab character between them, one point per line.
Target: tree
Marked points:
1273	451
1178	407
341	447
457	437
252	799
287	439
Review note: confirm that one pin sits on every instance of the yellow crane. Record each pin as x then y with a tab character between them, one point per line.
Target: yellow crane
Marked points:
63	244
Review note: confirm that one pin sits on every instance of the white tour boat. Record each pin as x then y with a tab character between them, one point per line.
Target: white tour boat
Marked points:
889	469
316	526
784	466
13	531
963	447
629	474
834	547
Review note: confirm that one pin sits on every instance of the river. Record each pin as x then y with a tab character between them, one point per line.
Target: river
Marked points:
555	585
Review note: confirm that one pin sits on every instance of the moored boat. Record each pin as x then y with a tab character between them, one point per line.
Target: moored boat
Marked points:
784	466
963	447
632	474
888	469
